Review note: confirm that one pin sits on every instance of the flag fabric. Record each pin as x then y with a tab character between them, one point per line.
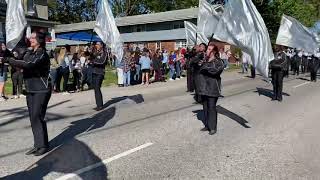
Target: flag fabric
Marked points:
107	30
191	34
293	34
242	25
208	18
15	23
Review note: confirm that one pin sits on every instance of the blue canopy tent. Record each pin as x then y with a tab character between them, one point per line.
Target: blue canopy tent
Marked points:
79	36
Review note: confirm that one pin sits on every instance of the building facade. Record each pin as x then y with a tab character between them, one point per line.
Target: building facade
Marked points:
163	30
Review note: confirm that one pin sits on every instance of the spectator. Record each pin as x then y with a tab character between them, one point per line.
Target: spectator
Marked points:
54	65
17	79
156	61
245	62
137	56
165	60
178	64
86	70
172	60
127	69
120	71
76	64
224	57
64	69
145	63
4	53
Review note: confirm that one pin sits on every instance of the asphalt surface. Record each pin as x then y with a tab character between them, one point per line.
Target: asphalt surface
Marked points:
154	133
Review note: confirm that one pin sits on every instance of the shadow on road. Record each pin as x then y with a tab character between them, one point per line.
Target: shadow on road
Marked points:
136	98
68	154
223	111
304	79
22	112
268	92
68	158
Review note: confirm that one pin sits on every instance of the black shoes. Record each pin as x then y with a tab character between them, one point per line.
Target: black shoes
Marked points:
98	108
212	132
41	151
32	151
204	129
37	151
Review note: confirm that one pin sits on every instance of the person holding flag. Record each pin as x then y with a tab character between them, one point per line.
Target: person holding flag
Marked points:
209	86
36	66
99	61
278	70
35	63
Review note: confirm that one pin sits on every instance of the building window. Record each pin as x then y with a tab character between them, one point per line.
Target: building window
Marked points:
178	24
181	44
139	28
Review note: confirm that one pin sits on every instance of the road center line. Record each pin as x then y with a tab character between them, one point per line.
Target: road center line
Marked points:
301	84
104	162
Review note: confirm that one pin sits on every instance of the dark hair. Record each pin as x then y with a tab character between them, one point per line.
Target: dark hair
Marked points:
41	38
205	45
215	50
68	48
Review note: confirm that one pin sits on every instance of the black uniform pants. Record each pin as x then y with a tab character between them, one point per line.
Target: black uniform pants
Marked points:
97	82
17	81
277	81
296	69
304	67
210	112
313	72
253	72
37	106
190	85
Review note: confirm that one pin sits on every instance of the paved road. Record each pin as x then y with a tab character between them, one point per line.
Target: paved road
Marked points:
154	133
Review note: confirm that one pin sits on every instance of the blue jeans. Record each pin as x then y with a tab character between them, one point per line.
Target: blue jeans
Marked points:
178	69
226	63
126	78
172	71
244	67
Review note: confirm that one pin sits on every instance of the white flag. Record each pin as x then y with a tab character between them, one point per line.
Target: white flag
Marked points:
208	18
242	25
191	34
293	34
15	23
107	30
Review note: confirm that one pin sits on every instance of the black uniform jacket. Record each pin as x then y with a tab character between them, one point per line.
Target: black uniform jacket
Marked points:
99	62
209	80
196	68
36	68
314	64
278	65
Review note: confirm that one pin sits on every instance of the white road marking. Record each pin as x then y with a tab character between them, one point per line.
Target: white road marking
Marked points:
104	162
301	84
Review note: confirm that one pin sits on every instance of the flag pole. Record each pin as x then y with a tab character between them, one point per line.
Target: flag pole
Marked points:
211	38
195	43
